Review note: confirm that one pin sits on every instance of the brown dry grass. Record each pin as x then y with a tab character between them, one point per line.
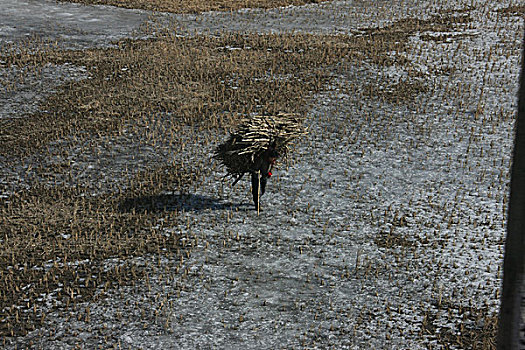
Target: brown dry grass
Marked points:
395	92
199	81
513	10
55	238
477	328
195	79
195	6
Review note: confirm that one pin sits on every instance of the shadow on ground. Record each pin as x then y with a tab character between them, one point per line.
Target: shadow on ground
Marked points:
175	202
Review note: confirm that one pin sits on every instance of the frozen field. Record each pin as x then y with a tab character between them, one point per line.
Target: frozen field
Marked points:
385	230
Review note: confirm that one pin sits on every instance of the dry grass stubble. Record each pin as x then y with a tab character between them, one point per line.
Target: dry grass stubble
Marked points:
201	81
54	237
195	6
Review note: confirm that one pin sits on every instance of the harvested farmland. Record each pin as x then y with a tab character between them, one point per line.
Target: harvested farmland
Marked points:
386	230
192	6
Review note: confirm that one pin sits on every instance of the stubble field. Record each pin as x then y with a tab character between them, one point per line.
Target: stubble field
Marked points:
385	229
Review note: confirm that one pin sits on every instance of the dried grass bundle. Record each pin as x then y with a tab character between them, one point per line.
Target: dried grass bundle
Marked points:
254	136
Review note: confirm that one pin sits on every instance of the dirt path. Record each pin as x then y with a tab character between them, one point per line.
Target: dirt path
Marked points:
387	226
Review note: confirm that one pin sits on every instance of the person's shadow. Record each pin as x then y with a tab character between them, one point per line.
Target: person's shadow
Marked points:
174	202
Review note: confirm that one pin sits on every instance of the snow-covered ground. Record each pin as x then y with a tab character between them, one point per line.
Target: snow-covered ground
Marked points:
388	217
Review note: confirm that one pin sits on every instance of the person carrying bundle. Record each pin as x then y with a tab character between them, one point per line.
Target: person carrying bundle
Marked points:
255	146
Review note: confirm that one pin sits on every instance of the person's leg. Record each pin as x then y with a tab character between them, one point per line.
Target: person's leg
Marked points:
264	179
255	188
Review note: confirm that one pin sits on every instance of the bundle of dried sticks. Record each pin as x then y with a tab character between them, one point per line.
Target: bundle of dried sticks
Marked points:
254	136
